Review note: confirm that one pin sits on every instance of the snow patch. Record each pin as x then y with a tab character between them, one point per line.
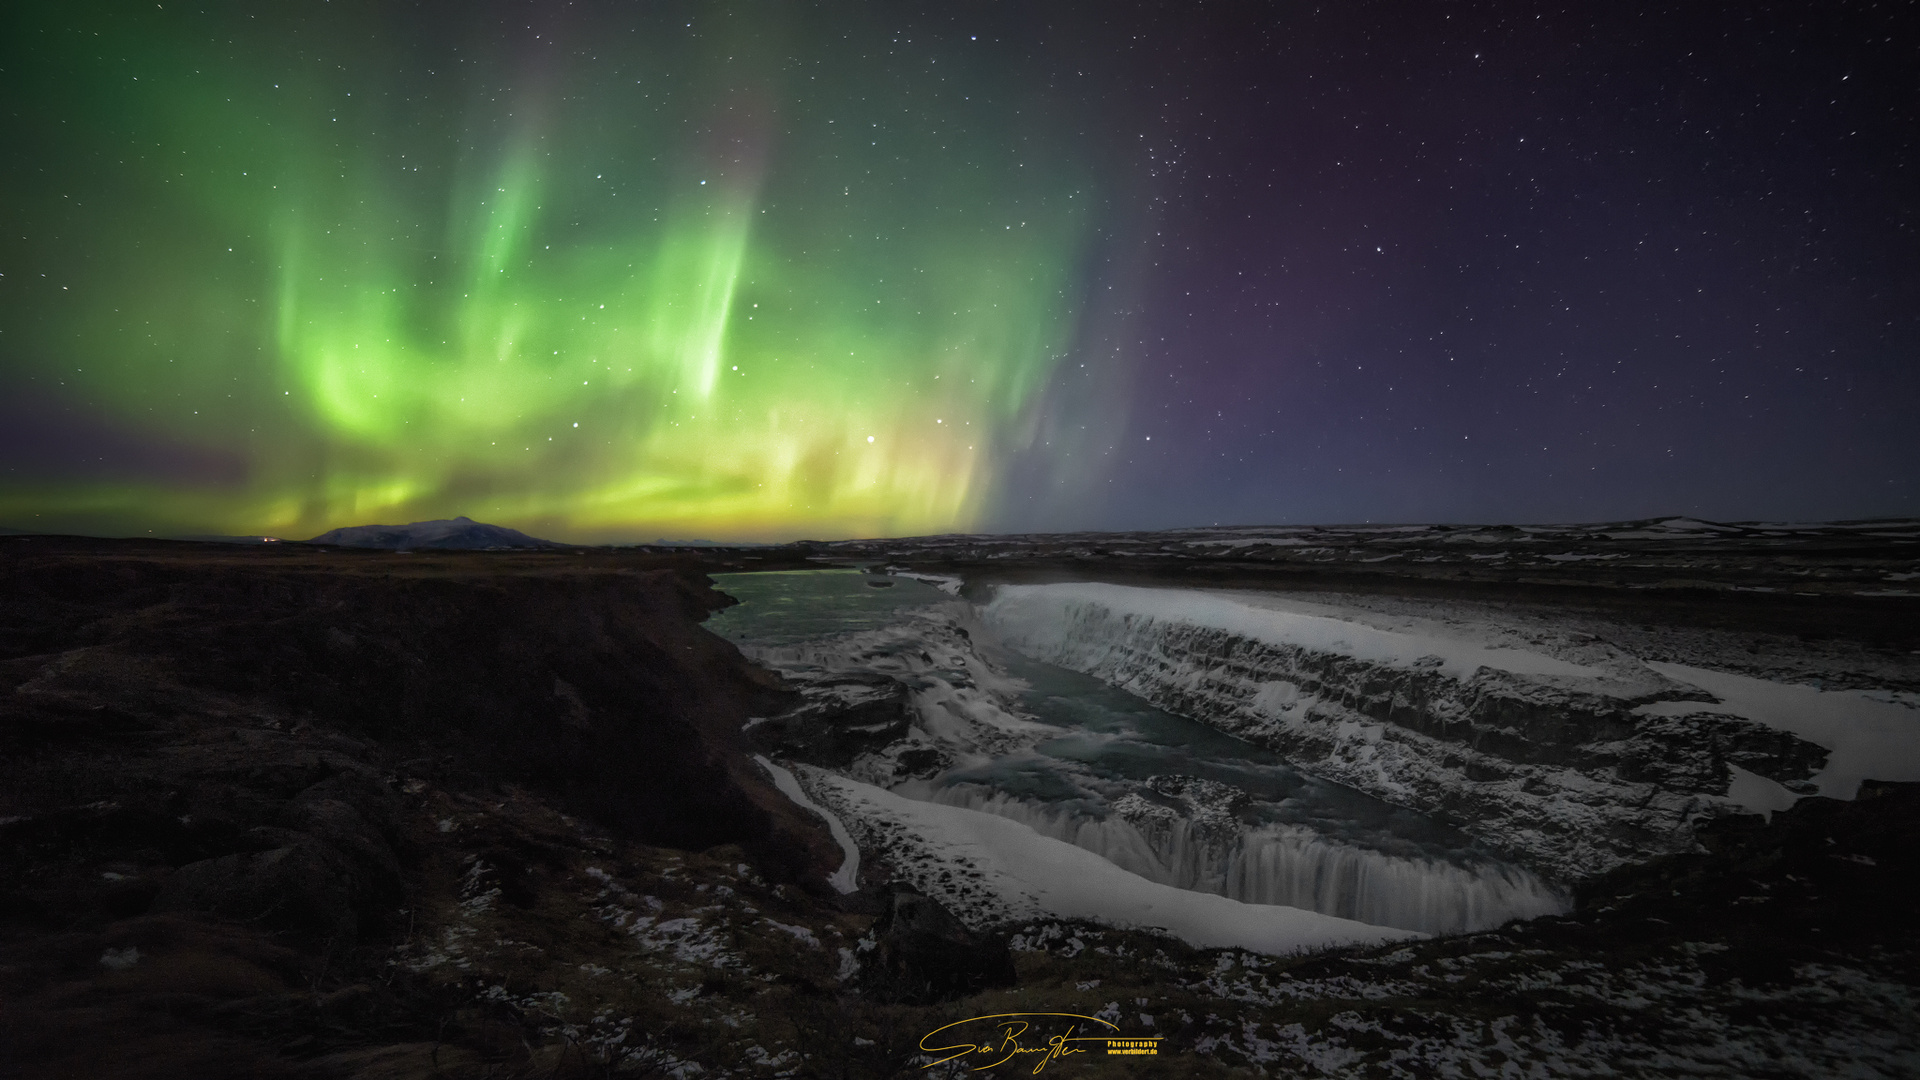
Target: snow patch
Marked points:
120	959
847	878
1757	793
1869	738
1038	615
945	583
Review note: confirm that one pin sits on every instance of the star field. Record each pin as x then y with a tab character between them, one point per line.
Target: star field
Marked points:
763	271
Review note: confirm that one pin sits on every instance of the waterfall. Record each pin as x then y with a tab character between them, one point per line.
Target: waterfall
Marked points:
1293	866
1284	864
1529	752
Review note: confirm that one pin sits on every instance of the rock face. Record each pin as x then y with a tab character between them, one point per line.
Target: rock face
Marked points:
921	954
1549	761
231	774
845	715
595	683
327	879
453	534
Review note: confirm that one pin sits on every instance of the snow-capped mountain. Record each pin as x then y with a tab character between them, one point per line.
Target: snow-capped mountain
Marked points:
461	533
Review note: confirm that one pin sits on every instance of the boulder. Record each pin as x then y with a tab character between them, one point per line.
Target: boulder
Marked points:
922	954
300	889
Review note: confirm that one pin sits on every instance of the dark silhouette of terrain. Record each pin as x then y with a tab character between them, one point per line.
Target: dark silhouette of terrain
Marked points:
450	534
213	753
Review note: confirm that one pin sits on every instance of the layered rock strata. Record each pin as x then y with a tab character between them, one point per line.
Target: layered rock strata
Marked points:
1547	760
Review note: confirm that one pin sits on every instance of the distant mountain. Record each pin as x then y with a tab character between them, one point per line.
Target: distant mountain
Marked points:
461	533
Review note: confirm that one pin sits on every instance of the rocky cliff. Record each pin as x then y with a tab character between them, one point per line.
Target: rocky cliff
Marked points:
1558	762
232	779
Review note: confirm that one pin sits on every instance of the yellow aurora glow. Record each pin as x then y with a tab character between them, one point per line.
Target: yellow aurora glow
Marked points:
597	307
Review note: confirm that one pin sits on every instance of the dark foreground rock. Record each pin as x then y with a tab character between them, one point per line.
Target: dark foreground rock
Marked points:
920	954
212	758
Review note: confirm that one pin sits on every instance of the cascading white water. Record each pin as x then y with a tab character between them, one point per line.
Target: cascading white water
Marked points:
1285	864
1177	827
1289	865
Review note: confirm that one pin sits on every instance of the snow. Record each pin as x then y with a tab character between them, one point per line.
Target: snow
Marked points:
1869	738
120	959
802	933
1038	875
847	878
1672	528
944	582
1251	541
1386	703
1754	792
1681	524
1042	611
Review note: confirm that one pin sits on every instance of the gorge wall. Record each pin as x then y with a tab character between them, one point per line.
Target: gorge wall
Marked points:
1553	762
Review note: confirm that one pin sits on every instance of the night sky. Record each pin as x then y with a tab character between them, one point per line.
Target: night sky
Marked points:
778	270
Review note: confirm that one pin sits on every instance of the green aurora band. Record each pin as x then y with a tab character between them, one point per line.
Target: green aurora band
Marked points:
744	278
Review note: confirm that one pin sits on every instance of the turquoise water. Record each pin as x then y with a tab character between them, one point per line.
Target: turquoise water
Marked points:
1121	739
1111	742
780	607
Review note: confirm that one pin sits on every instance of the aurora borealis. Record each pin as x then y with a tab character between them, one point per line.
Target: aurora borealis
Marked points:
760	271
558	280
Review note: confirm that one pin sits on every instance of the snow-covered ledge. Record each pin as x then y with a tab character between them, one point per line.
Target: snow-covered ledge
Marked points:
1570	765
